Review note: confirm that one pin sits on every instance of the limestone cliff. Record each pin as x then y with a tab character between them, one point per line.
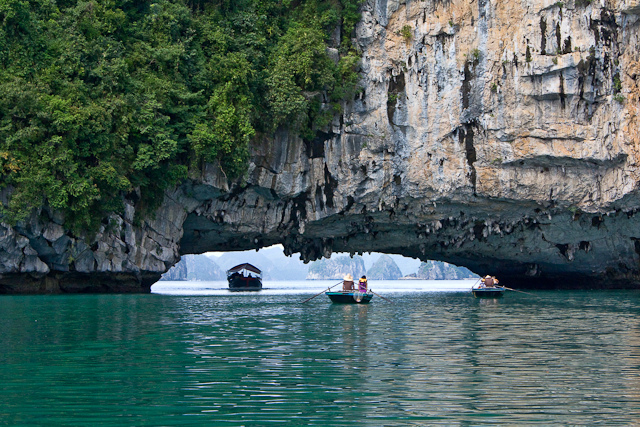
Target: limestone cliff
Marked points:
336	268
384	269
435	270
502	136
195	267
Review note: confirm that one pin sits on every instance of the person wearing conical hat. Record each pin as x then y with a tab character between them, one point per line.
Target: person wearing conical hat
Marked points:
347	282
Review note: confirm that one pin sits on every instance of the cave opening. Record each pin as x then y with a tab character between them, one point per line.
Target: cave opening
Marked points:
276	265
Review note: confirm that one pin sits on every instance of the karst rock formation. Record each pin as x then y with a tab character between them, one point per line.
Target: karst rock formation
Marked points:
498	135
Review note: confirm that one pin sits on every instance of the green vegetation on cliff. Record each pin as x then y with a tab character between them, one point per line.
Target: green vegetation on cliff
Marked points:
104	98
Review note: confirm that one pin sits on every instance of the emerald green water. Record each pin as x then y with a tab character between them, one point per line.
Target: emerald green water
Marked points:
265	359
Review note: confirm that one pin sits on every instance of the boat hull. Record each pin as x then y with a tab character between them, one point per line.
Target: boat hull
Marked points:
350	297
496	292
245	284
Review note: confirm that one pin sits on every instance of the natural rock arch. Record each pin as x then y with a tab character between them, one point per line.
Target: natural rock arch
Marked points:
466	145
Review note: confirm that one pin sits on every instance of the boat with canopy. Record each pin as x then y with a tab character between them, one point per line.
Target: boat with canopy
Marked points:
244	277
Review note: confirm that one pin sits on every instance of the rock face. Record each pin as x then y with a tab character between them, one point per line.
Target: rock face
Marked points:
336	268
502	136
384	269
436	270
42	256
195	267
178	272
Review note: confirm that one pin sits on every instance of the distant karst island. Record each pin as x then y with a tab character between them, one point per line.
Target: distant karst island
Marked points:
275	265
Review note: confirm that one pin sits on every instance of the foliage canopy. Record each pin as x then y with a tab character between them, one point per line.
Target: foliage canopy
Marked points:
101	98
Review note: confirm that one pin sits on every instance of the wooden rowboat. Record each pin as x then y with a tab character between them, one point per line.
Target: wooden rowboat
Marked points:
350	297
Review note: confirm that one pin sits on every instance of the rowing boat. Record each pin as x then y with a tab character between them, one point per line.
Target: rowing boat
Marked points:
350	297
488	291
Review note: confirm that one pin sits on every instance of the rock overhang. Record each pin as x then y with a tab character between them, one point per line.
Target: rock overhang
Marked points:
480	140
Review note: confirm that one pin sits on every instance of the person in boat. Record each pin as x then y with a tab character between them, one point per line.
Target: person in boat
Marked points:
362	284
347	283
488	281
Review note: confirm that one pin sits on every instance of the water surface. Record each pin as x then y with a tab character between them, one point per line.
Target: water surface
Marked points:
196	354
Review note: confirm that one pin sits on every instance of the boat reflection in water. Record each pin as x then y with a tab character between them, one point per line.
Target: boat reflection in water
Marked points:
244	277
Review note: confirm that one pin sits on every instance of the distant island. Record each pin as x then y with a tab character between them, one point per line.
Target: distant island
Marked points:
195	267
275	265
384	268
336	268
438	270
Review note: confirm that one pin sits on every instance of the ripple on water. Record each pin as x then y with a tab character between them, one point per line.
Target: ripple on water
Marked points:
429	358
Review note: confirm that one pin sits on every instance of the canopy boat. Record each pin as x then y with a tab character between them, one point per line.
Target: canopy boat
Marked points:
488	291
350	297
244	277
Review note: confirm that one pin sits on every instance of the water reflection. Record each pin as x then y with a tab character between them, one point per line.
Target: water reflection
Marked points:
428	358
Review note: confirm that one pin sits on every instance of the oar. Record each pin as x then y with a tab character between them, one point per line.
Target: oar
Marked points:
329	288
381	296
522	292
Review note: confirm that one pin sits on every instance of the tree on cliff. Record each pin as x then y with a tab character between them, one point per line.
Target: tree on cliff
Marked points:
104	99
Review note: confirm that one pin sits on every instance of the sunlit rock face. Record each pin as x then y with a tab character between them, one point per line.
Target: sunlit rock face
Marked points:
502	136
